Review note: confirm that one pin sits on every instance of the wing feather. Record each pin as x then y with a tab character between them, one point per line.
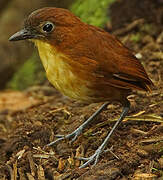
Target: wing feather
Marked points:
118	65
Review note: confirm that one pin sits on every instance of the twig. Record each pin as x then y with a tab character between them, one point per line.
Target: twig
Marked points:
129	27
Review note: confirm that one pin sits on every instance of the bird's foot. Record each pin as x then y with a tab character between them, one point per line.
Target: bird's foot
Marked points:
94	158
72	135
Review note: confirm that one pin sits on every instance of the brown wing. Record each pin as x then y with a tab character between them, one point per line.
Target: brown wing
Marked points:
117	64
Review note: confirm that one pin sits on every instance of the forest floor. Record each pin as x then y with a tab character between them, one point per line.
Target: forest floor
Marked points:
30	119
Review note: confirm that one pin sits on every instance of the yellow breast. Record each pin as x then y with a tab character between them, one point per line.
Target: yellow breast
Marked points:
60	74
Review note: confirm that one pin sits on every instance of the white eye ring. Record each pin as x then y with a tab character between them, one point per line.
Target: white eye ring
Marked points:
48	27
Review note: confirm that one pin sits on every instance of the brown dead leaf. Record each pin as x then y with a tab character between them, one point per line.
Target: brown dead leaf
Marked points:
61	164
79	153
161	162
145	176
41	173
21	174
15	170
151	140
16	101
32	164
30	177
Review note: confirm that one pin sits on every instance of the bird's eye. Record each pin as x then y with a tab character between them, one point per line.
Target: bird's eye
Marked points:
48	27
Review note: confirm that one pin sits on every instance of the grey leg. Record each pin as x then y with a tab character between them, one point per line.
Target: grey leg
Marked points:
79	130
96	155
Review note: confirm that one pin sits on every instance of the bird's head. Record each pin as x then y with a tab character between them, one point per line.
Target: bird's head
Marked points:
46	24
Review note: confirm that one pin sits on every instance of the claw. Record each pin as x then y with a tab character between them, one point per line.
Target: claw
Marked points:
73	135
95	157
90	159
76	134
74	138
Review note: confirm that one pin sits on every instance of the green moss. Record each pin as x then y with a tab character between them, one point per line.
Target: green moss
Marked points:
31	73
135	37
92	11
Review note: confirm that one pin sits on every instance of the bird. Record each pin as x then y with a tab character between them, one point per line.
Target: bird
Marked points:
86	63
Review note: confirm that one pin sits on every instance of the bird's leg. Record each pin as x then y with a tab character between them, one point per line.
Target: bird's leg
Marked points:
79	130
94	158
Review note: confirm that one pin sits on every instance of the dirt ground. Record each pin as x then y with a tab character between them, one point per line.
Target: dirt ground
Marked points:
29	120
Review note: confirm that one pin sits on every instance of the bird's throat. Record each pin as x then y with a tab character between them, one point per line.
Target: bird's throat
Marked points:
53	61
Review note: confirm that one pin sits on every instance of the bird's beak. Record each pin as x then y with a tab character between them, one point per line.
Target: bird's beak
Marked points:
22	35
